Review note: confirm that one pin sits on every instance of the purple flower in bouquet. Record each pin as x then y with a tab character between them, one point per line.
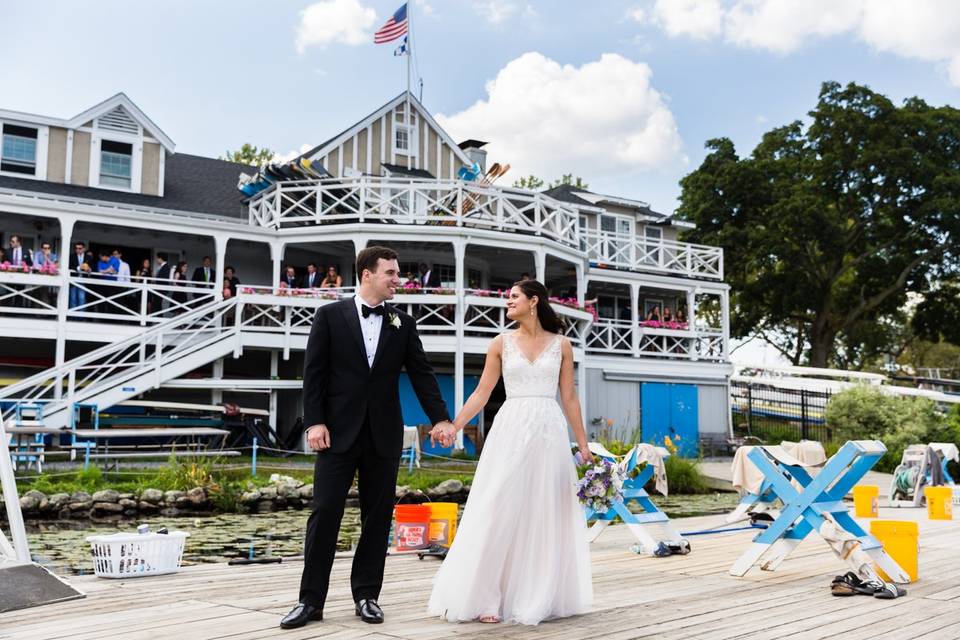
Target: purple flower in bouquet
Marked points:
601	486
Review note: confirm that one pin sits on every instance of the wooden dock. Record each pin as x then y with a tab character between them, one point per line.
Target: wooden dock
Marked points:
636	597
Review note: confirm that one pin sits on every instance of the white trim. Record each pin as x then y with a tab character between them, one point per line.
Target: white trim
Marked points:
412	137
121	100
163	171
68	171
440	159
353	151
426	149
369	149
339	161
41	152
383	139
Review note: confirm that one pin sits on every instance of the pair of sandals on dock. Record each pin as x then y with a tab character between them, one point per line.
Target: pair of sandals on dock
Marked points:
850	584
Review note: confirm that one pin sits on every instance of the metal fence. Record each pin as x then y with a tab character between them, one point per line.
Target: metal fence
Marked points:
773	413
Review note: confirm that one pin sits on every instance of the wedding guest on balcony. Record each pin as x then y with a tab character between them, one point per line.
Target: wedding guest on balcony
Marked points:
230	274
161	276
429	278
131	298
654	315
180	280
79	266
205	273
227	289
667	315
46	262
289	278
142	276
107	268
311	280
332	280
17	255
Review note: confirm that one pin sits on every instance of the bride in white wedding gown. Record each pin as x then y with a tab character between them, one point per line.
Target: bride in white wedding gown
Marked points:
520	553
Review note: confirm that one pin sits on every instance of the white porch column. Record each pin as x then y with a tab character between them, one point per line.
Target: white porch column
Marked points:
276	254
459	252
274	370
359	244
216	395
725	321
691	317
580	268
219	265
63	295
635	319
541	265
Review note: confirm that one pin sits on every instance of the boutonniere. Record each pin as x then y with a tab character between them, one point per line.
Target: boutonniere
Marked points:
394	320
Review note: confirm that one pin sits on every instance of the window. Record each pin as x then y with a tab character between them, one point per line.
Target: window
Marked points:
653	237
447	273
402	139
116	163
19	150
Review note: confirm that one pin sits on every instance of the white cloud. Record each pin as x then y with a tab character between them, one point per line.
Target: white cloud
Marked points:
637	14
603	118
694	18
926	30
290	155
332	21
496	11
424	7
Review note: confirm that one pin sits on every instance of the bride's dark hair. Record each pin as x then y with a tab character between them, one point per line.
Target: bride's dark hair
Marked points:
549	319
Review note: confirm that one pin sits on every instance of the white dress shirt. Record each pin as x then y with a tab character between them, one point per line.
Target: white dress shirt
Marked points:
124	274
370	327
17	255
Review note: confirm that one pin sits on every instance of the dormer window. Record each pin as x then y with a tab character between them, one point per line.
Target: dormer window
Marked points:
116	164
402	139
19	150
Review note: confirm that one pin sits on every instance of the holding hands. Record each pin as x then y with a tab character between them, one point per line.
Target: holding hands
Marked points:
443	432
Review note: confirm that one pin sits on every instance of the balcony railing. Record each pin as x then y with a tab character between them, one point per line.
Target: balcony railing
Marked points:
644	254
405	201
608	336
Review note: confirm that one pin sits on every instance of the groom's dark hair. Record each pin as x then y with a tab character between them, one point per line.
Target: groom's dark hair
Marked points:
368	258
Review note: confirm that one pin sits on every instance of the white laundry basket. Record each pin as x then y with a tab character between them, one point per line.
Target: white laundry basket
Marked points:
131	555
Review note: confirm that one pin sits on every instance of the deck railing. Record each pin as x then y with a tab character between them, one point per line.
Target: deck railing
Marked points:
644	254
609	336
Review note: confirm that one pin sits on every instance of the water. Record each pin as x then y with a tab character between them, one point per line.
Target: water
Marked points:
61	544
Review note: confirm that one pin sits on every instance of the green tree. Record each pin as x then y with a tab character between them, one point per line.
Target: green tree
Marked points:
250	155
531	183
827	226
534	183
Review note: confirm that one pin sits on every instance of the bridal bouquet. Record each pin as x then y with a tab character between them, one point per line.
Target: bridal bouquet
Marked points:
600	486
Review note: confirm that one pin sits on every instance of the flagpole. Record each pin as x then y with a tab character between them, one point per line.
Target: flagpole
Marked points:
409	54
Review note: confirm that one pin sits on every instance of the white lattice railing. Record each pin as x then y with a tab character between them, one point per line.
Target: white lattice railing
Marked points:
608	336
644	254
405	201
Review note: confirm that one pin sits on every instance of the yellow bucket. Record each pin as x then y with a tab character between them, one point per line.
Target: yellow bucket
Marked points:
443	522
939	502
866	501
901	541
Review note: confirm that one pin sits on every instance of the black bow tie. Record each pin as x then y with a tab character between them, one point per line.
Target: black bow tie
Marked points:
368	310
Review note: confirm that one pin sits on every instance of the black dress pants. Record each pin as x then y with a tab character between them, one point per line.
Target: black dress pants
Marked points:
332	477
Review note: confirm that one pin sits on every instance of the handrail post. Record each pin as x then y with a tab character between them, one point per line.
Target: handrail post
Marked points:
253	462
11	498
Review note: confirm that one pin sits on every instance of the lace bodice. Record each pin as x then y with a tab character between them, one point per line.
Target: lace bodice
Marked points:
523	378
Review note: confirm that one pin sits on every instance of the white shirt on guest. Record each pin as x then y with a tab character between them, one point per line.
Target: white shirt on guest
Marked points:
124	274
370	327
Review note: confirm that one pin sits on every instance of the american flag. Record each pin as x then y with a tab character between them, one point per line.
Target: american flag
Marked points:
393	28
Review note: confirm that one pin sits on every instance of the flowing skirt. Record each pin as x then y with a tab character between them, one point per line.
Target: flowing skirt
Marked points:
520	552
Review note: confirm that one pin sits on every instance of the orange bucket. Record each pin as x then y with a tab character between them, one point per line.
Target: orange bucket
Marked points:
443	522
412	527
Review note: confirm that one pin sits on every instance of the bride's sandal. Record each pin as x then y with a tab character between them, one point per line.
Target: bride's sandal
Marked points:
489	619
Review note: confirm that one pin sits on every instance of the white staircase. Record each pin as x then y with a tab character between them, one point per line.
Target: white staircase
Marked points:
122	370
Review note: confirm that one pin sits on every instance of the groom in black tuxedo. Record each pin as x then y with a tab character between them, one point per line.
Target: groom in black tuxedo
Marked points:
351	404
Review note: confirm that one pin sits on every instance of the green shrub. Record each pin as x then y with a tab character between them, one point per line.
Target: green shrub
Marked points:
684	476
866	413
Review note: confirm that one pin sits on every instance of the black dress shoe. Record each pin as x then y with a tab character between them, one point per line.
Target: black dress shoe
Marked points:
369	611
301	615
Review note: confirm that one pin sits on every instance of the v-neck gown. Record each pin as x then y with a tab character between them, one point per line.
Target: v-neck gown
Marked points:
520	552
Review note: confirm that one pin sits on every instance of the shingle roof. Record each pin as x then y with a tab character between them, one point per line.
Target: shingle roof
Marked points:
414	173
568	193
191	183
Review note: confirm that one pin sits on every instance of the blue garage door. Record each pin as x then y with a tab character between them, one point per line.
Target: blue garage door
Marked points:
670	410
413	413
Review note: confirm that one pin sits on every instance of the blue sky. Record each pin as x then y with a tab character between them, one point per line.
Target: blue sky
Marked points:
215	75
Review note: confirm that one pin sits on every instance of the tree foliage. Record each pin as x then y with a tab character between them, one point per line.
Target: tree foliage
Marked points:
250	155
828	225
534	183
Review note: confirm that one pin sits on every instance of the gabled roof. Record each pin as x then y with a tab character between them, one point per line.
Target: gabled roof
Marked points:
403	171
325	147
119	100
590	200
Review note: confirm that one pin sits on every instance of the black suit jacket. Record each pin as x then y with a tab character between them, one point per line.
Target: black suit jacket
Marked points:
25	255
163	273
198	275
293	282
433	279
75	262
340	390
305	281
